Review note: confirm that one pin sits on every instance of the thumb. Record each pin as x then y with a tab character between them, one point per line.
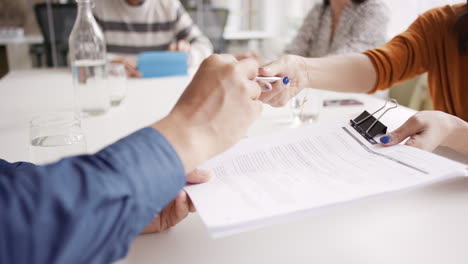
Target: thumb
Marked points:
418	141
410	128
199	176
266	87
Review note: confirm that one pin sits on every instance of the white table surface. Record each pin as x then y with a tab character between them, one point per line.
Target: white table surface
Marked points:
426	225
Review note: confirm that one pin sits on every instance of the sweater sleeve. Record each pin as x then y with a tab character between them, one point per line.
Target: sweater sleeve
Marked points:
304	38
86	209
405	56
185	29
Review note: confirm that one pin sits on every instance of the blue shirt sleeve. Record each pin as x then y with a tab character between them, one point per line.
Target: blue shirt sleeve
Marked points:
86	209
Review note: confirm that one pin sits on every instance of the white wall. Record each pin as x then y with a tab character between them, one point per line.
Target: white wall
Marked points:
404	12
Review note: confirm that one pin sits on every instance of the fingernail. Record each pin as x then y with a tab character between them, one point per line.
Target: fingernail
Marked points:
266	88
264	68
286	80
385	139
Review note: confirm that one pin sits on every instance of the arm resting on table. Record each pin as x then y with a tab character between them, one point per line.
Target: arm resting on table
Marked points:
86	209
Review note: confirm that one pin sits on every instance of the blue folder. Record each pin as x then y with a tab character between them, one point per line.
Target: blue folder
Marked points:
163	64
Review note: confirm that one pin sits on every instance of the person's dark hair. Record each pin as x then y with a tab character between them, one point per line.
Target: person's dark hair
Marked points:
461	29
327	2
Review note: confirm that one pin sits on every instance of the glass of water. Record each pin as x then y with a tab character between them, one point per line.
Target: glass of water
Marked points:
54	136
91	93
306	106
117	82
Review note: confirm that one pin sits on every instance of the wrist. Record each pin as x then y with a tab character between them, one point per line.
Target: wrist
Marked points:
458	129
307	66
189	143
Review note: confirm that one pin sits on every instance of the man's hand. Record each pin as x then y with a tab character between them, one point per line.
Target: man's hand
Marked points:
130	67
181	46
215	110
429	129
295	77
178	209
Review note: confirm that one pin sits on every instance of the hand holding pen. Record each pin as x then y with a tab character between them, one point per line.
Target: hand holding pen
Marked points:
291	77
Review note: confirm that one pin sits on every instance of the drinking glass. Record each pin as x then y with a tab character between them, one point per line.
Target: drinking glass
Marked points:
117	82
54	136
306	106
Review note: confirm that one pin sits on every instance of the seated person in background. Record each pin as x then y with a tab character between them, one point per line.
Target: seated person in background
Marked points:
435	43
339	26
134	26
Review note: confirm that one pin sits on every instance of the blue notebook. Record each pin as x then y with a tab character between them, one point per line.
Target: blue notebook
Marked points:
163	64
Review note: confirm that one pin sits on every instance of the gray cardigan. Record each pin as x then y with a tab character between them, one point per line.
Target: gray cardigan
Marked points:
361	27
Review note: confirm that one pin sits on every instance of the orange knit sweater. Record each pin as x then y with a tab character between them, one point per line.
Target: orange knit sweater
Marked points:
429	45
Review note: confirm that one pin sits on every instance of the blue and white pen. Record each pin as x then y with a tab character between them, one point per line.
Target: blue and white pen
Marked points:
273	79
268	79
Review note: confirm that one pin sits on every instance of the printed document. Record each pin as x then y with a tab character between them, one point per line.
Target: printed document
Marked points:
263	180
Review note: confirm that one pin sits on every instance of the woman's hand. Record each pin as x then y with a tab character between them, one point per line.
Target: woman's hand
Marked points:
429	129
293	71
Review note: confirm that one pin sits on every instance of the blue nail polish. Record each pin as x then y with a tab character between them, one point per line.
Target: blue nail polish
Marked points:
266	87
385	139
286	80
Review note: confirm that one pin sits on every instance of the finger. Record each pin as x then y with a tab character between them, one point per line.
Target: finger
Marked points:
410	128
172	47
279	88
220	59
183	46
241	57
258	108
250	66
118	61
266	97
180	45
424	140
192	208
274	68
129	67
198	176
416	141
133	72
254	90
181	209
153	227
252	55
266	87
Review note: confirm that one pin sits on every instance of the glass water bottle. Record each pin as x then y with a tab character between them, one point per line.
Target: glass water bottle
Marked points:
88	62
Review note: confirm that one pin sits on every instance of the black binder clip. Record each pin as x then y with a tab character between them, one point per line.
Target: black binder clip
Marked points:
369	126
